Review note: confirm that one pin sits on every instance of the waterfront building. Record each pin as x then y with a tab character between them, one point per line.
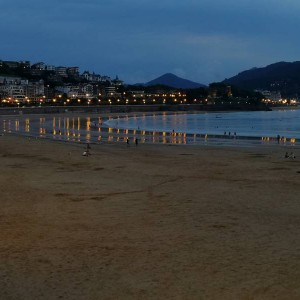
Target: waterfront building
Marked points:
34	90
110	90
64	89
22	90
137	94
88	90
272	95
13	92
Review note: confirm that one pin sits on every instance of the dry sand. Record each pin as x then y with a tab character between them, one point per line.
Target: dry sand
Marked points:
147	222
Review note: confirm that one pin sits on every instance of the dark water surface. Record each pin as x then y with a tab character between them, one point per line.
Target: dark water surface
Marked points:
238	128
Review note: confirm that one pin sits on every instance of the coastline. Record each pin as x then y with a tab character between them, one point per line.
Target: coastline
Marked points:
103	134
151	222
128	108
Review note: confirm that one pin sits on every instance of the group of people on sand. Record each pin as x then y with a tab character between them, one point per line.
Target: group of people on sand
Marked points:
136	141
281	139
291	155
88	147
229	134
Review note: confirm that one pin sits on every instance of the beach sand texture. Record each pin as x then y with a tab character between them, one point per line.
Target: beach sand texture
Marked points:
147	222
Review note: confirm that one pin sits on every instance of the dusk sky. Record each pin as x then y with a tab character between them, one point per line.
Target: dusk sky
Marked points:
139	40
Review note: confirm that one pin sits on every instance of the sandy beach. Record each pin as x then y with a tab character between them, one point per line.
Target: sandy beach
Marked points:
148	222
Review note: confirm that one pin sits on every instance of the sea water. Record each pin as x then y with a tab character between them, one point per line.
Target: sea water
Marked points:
285	123
183	128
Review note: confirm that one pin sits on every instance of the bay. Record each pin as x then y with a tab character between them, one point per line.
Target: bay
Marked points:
285	123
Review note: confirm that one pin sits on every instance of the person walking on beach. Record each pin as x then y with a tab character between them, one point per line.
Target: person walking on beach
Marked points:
136	142
127	142
87	151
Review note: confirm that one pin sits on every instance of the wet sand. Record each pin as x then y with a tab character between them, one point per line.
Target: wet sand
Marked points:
148	222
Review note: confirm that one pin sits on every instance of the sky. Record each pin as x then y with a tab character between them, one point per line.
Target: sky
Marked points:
201	40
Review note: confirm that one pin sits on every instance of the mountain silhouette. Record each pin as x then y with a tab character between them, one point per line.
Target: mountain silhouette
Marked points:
280	76
174	81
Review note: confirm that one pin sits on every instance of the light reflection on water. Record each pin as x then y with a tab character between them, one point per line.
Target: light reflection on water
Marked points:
83	129
94	130
261	123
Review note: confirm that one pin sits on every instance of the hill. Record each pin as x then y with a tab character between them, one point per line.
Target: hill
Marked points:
175	82
281	76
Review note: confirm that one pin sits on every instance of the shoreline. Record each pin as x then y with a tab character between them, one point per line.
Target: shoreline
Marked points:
105	134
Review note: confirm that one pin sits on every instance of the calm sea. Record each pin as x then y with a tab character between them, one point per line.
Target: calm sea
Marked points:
177	128
285	123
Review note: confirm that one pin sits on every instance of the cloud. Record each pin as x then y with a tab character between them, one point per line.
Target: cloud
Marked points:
202	40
